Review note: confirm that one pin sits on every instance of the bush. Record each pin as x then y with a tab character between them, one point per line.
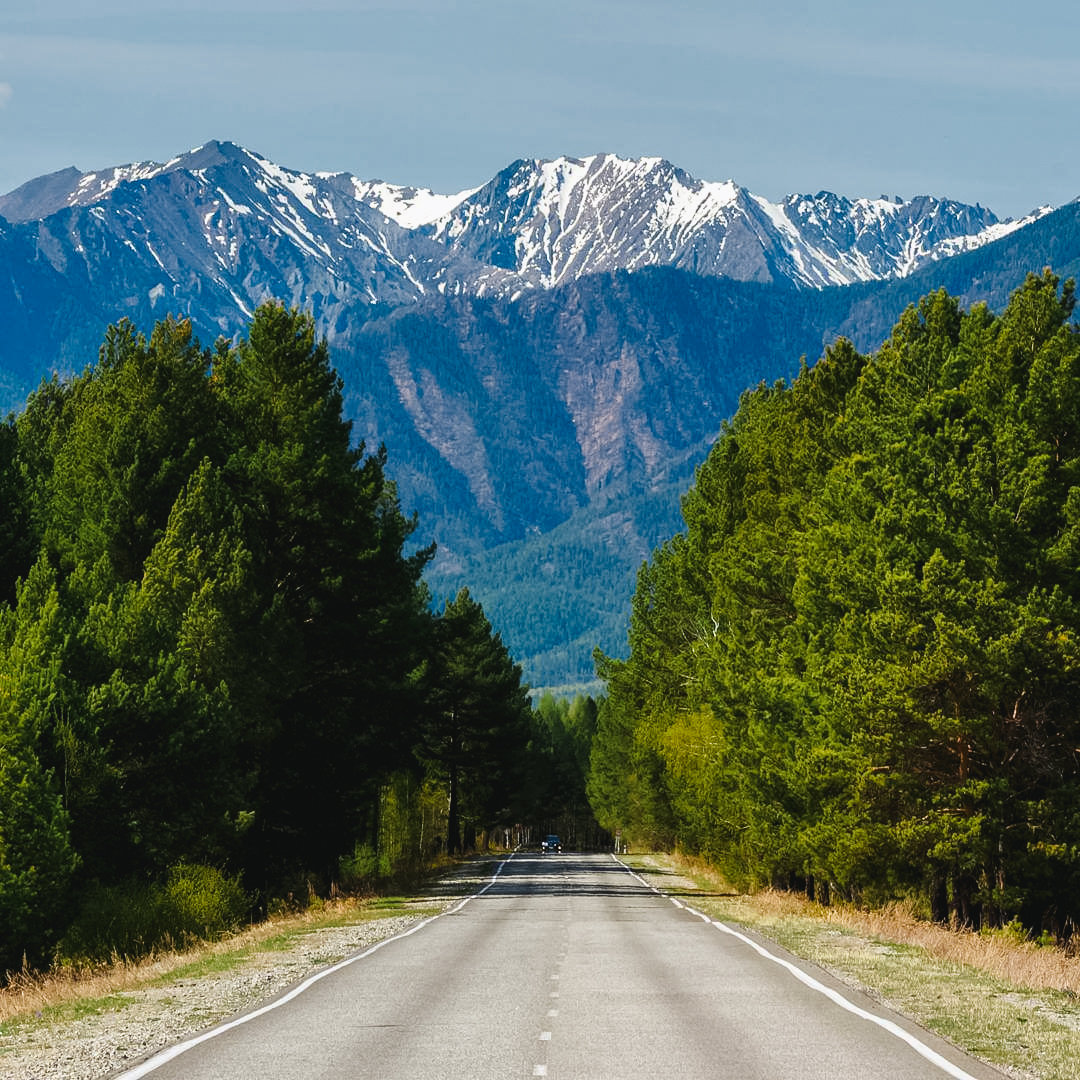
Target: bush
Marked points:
202	903
363	868
137	919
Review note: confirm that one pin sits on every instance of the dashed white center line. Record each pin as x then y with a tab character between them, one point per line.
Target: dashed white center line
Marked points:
539	1070
553	1012
554	993
545	1036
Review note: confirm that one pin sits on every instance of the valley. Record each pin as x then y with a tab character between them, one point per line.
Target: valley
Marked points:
547	357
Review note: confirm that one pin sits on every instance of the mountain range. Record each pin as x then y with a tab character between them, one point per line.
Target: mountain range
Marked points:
217	230
546	356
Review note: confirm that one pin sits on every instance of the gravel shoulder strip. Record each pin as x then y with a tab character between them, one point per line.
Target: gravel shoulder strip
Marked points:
151	1018
141	1022
968	1007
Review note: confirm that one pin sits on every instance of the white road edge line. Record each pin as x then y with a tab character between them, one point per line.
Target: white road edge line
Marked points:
916	1044
167	1055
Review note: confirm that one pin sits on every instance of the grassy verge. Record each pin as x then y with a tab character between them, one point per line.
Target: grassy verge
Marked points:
70	993
1011	1003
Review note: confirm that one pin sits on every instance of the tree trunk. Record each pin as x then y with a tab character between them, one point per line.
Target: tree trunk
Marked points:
453	833
966	913
939	898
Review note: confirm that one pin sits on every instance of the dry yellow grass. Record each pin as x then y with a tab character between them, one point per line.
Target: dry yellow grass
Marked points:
1024	964
28	993
1009	1002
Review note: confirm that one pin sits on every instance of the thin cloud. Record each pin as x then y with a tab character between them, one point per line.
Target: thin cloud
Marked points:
5	93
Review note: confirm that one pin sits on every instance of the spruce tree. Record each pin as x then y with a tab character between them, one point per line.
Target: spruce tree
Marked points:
36	856
477	726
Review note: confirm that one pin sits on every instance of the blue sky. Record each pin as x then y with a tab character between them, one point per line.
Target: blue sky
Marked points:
972	100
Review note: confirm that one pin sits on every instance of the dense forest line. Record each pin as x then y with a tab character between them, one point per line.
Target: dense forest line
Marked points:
857	670
217	654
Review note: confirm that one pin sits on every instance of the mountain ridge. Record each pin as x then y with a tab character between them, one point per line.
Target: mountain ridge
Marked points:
546	361
540	222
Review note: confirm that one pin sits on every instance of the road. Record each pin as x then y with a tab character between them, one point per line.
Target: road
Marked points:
568	966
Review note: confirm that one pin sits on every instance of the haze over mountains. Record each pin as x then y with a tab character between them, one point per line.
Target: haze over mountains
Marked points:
546	357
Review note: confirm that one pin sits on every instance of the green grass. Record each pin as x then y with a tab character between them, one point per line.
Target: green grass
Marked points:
65	1012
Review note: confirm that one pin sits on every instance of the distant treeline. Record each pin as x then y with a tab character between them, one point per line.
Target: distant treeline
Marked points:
215	649
858	669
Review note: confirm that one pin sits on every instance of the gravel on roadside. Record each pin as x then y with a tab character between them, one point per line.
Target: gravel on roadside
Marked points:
151	1018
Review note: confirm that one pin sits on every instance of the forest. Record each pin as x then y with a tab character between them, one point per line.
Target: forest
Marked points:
223	680
857	670
224	683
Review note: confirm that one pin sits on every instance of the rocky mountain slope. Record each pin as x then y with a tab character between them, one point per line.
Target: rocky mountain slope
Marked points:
214	232
546	357
555	221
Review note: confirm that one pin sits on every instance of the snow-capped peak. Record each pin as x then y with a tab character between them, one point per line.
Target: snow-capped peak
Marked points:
410	207
536	224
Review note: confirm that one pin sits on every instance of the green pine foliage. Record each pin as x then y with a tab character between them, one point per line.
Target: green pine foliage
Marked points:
858	667
477	727
139	918
562	739
218	661
37	860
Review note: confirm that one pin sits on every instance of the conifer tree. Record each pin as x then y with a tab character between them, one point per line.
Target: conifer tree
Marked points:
171	650
124	439
477	726
341	613
17	541
36	856
877	691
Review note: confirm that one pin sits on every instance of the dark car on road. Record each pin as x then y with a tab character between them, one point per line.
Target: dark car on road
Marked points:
550	843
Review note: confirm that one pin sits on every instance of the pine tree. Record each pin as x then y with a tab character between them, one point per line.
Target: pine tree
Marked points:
166	710
36	857
124	439
477	727
341	612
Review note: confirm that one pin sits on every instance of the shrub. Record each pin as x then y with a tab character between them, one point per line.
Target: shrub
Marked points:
136	919
363	868
202	903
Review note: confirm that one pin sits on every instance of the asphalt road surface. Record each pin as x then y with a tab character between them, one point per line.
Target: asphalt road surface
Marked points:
569	967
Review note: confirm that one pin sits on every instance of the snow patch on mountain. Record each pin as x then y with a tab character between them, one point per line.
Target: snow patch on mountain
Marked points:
409	207
231	228
959	244
553	220
94	186
298	185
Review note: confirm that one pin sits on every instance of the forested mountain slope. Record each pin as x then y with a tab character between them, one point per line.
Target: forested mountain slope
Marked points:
628	377
518	390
